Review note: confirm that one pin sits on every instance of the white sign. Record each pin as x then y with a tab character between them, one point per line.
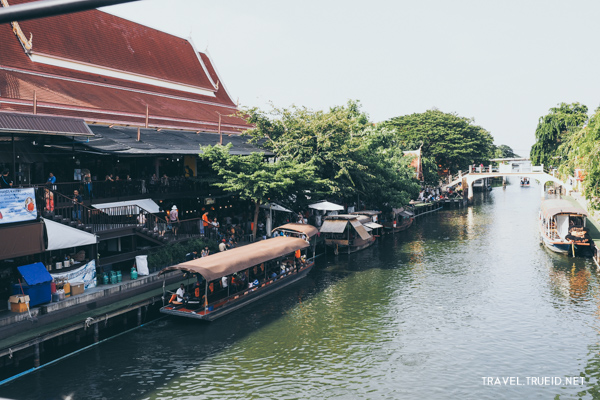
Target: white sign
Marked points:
85	275
17	205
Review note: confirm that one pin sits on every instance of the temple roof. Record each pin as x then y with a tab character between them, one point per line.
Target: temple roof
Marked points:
106	69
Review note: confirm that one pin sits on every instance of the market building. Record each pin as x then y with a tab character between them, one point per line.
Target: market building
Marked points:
116	111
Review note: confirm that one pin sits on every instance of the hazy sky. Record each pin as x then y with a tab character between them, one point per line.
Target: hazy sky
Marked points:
503	63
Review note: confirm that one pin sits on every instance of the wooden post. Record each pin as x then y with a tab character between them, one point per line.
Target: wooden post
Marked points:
36	355
96	333
139	316
35	102
147	116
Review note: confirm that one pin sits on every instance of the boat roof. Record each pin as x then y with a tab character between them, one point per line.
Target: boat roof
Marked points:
346	217
337	225
237	259
308	230
367	212
553	207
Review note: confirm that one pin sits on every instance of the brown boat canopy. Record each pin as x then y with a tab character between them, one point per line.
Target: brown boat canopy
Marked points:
308	230
334	226
360	229
235	260
552	207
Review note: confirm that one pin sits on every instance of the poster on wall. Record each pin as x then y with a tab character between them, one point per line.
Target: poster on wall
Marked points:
17	205
85	275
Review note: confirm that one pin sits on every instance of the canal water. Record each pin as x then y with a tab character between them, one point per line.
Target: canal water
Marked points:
466	304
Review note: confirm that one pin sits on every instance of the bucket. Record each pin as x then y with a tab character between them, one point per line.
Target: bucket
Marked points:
67	289
55	297
52	287
61	295
59	265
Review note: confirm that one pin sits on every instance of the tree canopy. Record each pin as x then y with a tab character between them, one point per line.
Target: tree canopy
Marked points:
555	128
253	178
451	141
351	157
504	151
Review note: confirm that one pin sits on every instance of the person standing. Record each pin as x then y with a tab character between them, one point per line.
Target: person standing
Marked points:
51	178
5	181
48	201
77	202
87	183
174	219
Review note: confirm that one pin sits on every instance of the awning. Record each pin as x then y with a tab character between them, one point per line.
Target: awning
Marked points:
373	225
64	237
370	213
240	258
42	125
308	230
275	207
34	274
360	229
406	214
326	206
333	226
21	240
559	206
128	207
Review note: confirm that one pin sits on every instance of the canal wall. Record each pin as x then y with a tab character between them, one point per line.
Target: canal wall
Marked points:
28	341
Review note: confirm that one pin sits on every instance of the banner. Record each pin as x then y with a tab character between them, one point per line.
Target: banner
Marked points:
17	205
85	275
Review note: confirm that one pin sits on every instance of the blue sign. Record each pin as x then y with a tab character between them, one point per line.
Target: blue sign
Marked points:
17	205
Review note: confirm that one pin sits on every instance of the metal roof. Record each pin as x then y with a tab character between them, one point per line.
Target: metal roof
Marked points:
42	125
123	140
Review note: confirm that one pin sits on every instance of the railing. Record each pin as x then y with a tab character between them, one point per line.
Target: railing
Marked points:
123	188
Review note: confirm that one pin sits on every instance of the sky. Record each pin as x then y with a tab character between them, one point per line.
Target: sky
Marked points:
502	63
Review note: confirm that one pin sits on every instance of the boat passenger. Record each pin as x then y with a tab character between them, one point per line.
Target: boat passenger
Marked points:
180	293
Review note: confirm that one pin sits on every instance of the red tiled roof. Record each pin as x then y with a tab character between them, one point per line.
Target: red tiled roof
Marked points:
98	38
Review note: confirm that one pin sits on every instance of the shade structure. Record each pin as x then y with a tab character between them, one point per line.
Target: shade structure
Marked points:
64	237
373	225
326	206
306	229
275	207
240	258
334	226
552	207
146	204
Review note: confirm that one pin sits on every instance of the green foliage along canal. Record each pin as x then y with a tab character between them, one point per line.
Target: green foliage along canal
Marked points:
465	294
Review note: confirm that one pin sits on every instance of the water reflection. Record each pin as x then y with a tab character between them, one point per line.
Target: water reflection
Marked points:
465	293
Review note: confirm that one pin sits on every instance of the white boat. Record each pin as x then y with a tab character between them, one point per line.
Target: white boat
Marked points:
562	226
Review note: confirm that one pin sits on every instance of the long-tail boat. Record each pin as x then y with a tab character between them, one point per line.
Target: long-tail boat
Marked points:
229	280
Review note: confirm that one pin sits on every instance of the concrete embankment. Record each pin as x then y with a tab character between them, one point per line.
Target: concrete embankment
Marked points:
28	340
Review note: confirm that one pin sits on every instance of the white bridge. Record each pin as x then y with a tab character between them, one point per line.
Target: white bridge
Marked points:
505	170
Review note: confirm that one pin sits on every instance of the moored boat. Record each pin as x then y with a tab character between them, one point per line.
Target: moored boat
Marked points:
230	280
402	219
525	182
562	226
346	232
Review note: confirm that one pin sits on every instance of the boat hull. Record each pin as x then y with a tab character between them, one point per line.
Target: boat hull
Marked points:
342	247
240	299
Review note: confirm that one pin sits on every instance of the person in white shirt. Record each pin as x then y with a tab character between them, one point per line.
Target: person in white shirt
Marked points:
180	292
222	245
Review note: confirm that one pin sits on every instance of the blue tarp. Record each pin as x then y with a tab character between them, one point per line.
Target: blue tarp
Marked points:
34	274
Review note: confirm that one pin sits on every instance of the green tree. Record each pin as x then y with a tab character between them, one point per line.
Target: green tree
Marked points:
555	128
253	178
504	151
454	142
350	156
581	150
